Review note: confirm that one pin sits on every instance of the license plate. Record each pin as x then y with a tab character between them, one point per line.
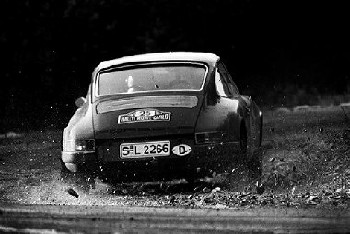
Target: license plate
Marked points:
145	149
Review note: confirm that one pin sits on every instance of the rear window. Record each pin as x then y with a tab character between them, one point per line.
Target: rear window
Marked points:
156	77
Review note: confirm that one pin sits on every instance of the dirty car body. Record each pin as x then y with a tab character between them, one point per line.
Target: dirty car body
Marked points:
161	116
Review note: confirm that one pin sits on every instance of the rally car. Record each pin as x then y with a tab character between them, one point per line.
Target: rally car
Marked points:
161	116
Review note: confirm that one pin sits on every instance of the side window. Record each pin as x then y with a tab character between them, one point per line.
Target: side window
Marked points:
88	95
232	86
221	85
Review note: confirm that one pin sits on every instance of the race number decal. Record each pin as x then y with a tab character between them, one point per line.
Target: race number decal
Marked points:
144	115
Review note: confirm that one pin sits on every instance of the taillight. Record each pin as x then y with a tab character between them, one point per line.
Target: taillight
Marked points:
79	145
85	145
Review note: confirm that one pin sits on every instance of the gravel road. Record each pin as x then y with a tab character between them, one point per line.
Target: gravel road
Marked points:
306	177
114	219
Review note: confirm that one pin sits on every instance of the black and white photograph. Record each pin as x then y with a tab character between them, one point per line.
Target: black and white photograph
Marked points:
174	116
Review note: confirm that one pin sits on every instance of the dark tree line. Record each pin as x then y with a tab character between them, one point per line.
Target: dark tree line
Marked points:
50	47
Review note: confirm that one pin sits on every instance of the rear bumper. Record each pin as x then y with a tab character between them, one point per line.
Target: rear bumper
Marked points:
202	159
78	157
79	161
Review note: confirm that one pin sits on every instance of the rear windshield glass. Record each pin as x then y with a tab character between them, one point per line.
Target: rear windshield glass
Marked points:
151	78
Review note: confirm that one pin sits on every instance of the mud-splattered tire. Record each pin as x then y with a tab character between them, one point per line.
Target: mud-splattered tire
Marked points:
83	180
243	145
253	163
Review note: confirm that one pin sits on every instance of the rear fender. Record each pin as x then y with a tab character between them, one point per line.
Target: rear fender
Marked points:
79	127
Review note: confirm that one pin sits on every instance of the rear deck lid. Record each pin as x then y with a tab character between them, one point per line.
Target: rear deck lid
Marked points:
146	116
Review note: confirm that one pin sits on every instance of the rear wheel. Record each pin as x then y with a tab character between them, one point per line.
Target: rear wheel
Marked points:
253	162
84	179
243	143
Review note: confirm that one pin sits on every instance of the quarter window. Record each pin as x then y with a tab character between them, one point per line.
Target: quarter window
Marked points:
231	85
221	85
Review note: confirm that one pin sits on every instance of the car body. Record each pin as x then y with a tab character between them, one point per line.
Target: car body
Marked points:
183	117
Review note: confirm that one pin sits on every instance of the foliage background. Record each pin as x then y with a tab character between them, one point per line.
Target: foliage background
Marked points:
282	52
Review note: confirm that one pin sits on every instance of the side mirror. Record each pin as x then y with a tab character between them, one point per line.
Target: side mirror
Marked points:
79	102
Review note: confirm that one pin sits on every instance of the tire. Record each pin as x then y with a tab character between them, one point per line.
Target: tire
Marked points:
84	179
253	162
243	143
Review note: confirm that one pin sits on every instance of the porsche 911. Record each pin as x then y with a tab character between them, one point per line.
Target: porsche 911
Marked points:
161	116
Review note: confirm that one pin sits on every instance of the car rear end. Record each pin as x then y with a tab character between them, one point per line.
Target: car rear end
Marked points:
151	132
152	119
149	141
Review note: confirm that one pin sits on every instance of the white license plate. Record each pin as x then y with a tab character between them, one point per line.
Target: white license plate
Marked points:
145	149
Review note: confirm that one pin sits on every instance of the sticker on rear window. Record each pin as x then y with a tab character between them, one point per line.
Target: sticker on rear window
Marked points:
144	115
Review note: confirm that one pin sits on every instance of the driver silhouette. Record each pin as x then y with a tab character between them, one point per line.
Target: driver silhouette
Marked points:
130	84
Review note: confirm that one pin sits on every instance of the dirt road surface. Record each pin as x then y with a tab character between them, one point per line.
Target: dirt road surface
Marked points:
113	219
306	177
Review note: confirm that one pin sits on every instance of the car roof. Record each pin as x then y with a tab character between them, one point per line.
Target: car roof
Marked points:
208	58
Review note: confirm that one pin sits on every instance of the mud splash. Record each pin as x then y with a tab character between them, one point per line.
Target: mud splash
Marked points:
305	163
